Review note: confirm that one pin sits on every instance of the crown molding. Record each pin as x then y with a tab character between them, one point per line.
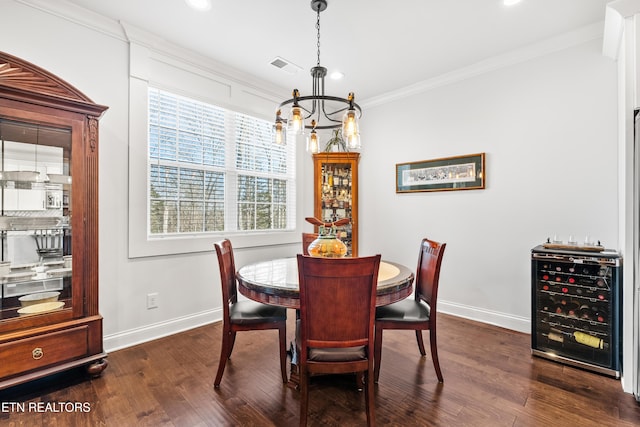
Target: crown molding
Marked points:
78	15
206	64
616	13
524	54
127	33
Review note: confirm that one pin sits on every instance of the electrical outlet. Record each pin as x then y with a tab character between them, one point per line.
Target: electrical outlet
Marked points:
152	300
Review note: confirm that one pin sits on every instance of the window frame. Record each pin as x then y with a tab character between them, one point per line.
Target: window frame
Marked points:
252	160
157	69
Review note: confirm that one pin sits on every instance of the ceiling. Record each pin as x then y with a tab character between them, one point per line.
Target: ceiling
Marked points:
380	46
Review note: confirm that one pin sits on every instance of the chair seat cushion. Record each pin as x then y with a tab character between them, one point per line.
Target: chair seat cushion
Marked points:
343	354
247	312
407	310
348	354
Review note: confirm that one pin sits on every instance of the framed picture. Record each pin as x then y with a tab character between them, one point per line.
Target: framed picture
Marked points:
450	173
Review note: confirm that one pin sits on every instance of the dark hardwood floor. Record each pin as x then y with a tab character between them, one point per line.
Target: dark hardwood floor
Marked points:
490	379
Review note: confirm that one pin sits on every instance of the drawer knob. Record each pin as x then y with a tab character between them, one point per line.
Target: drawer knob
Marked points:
37	353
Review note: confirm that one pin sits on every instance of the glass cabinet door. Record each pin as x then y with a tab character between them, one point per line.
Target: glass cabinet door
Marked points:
336	194
35	213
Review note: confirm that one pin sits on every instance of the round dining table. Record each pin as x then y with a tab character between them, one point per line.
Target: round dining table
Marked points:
275	282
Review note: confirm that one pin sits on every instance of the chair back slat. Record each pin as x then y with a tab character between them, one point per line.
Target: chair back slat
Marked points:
337	300
428	272
227	266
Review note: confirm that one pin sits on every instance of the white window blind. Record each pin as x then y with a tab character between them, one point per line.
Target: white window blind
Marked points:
214	170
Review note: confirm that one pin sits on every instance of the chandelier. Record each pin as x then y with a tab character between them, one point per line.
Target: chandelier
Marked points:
318	111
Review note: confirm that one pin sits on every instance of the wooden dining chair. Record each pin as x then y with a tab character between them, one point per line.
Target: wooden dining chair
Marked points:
307	238
244	315
335	330
418	313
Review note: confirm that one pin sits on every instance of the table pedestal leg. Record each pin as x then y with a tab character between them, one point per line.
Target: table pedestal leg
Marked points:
294	377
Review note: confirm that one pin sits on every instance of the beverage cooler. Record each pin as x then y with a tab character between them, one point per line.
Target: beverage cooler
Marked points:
576	307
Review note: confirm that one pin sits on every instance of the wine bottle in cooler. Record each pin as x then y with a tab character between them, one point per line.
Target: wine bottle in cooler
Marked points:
585	312
573	309
577	337
600	315
546	304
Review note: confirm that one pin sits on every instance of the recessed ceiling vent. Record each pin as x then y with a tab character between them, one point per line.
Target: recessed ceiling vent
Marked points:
286	66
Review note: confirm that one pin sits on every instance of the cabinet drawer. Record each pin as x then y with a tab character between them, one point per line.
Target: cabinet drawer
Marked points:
37	352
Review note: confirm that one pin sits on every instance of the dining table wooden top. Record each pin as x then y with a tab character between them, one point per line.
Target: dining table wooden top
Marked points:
275	282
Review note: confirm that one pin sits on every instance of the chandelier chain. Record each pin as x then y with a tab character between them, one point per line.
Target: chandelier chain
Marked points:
318	28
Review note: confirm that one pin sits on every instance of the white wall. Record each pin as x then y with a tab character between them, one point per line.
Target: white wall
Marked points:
548	127
97	63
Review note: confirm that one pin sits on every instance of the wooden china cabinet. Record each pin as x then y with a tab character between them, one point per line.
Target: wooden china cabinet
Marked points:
336	193
49	320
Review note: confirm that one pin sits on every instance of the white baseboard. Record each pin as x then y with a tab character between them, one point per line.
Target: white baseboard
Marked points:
509	321
154	331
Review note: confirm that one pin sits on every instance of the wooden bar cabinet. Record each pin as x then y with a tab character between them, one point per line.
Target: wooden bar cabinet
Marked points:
336	193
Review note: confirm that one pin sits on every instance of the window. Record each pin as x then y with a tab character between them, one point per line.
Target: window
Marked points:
215	170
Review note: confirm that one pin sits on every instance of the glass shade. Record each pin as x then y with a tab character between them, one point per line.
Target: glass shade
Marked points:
313	144
353	142
280	134
350	125
295	123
